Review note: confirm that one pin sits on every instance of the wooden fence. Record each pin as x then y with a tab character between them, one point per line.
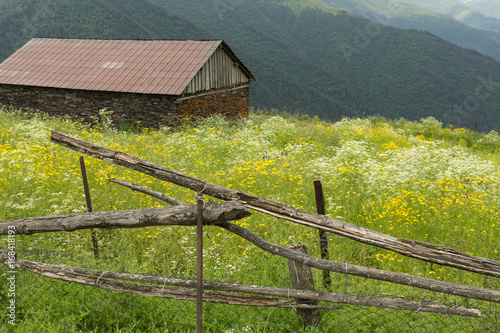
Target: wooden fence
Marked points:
237	205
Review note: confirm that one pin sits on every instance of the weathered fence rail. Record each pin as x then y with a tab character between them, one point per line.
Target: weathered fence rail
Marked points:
185	215
339	267
423	251
438	254
213	213
236	206
186	290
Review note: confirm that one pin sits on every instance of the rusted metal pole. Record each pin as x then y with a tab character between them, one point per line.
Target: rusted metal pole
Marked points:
199	259
89	205
323	237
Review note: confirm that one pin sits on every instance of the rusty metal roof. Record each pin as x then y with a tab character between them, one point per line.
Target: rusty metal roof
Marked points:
135	66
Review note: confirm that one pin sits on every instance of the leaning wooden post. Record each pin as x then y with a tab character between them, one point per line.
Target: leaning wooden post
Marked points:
323	236
302	279
89	205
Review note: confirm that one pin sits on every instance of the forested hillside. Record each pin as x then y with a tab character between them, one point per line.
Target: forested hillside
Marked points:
21	20
482	14
457	24
484	41
362	66
327	63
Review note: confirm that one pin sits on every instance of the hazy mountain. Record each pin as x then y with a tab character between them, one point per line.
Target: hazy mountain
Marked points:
434	16
364	67
489	8
21	20
481	14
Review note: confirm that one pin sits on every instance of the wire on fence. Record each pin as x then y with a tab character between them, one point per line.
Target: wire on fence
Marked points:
170	252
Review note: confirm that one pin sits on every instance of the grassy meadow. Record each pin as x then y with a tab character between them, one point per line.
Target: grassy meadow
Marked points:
414	180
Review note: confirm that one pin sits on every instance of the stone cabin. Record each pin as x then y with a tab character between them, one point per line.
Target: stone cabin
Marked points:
156	82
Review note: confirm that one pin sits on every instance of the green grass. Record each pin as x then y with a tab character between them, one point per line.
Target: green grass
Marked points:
299	5
413	180
395	9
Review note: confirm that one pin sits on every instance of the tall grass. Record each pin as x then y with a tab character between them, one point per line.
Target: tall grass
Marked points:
412	180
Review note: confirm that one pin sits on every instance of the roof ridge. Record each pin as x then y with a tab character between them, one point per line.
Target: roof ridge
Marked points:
134	39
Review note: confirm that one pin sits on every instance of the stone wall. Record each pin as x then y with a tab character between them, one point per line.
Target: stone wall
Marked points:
233	102
152	111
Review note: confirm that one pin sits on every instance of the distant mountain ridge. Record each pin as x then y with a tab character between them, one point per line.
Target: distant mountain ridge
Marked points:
327	63
483	14
490	8
436	17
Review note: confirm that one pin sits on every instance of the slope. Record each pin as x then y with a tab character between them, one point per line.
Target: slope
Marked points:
351	62
434	17
466	11
298	5
486	7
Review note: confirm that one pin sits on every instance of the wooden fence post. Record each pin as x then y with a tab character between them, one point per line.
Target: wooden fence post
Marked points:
302	279
323	234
